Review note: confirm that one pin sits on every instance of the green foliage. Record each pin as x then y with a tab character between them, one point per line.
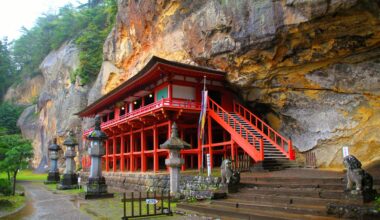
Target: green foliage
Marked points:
17	152
377	203
5	187
9	113
86	26
6	68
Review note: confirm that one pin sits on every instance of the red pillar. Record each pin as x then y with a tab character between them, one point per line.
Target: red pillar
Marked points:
122	151
143	147
131	161
114	155
232	150
210	141
155	148
107	159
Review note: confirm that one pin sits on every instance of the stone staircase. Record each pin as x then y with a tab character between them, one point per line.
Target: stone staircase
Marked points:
287	194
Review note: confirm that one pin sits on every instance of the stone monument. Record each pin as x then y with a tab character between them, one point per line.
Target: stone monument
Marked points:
70	178
53	176
96	186
174	144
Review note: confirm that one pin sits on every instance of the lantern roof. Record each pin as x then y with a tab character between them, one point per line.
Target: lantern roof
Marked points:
54	146
97	133
174	142
70	140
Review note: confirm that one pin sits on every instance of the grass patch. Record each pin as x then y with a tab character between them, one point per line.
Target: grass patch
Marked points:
10	203
53	188
113	208
27	175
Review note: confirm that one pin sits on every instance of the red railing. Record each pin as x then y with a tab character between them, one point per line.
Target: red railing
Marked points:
225	117
169	103
281	143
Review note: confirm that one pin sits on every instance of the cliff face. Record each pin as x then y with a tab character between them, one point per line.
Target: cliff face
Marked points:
52	116
309	68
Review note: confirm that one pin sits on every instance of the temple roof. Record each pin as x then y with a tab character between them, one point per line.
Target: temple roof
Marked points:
155	68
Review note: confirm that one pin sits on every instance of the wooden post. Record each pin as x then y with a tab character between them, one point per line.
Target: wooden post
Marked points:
122	150
233	150
155	149
107	159
114	155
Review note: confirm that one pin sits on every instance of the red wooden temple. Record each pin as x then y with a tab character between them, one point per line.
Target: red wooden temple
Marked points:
137	116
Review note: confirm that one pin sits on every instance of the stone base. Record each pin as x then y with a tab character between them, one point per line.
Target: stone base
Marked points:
96	188
352	211
69	181
53	177
360	196
96	196
230	188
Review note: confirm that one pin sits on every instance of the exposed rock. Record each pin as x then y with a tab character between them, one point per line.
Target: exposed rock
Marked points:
313	64
58	102
26	92
309	68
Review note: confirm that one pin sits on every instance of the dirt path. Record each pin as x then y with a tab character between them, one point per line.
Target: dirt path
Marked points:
44	204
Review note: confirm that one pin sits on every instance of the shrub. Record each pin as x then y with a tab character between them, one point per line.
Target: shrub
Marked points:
5	187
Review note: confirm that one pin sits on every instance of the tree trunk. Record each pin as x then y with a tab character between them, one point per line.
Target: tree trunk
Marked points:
9	176
14	182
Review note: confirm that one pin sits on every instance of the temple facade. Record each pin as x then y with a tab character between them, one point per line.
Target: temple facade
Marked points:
138	115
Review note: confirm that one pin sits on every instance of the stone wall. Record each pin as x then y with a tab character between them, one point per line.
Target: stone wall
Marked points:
190	186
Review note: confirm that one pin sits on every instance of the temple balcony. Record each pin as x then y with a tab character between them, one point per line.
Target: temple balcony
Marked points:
154	111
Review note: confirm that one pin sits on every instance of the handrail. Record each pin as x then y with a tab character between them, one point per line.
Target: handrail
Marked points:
256	122
217	109
153	106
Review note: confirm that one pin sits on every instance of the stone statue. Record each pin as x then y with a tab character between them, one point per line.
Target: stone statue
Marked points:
226	171
356	176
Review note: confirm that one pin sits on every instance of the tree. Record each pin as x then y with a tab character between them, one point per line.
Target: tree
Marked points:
9	113
7	69
18	152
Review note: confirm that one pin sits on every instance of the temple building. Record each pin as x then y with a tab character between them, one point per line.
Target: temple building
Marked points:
137	116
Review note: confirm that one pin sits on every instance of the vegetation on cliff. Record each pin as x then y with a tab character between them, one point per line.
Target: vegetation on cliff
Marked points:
87	26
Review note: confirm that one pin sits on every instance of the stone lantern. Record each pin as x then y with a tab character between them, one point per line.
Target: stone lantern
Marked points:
174	145
53	176
96	186
70	178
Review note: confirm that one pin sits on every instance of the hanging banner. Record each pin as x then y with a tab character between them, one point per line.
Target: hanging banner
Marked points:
202	117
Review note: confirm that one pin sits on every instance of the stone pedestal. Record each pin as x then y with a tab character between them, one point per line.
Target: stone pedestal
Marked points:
53	176
360	197
69	179
96	186
174	144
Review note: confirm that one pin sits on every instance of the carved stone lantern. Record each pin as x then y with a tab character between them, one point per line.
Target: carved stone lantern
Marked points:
53	176
96	186
174	144
70	178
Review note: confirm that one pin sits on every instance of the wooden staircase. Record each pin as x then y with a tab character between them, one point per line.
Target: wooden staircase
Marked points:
257	138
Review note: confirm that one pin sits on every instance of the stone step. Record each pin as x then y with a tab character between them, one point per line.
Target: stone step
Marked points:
289	208
294	185
253	179
282	199
303	192
242	213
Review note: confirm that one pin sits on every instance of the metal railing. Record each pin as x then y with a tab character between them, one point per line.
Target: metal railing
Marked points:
150	202
169	103
280	142
258	155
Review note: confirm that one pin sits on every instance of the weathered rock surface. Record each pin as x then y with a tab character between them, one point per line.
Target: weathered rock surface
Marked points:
53	115
309	68
26	92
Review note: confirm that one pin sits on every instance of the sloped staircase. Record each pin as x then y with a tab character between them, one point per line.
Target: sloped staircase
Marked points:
288	194
263	145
